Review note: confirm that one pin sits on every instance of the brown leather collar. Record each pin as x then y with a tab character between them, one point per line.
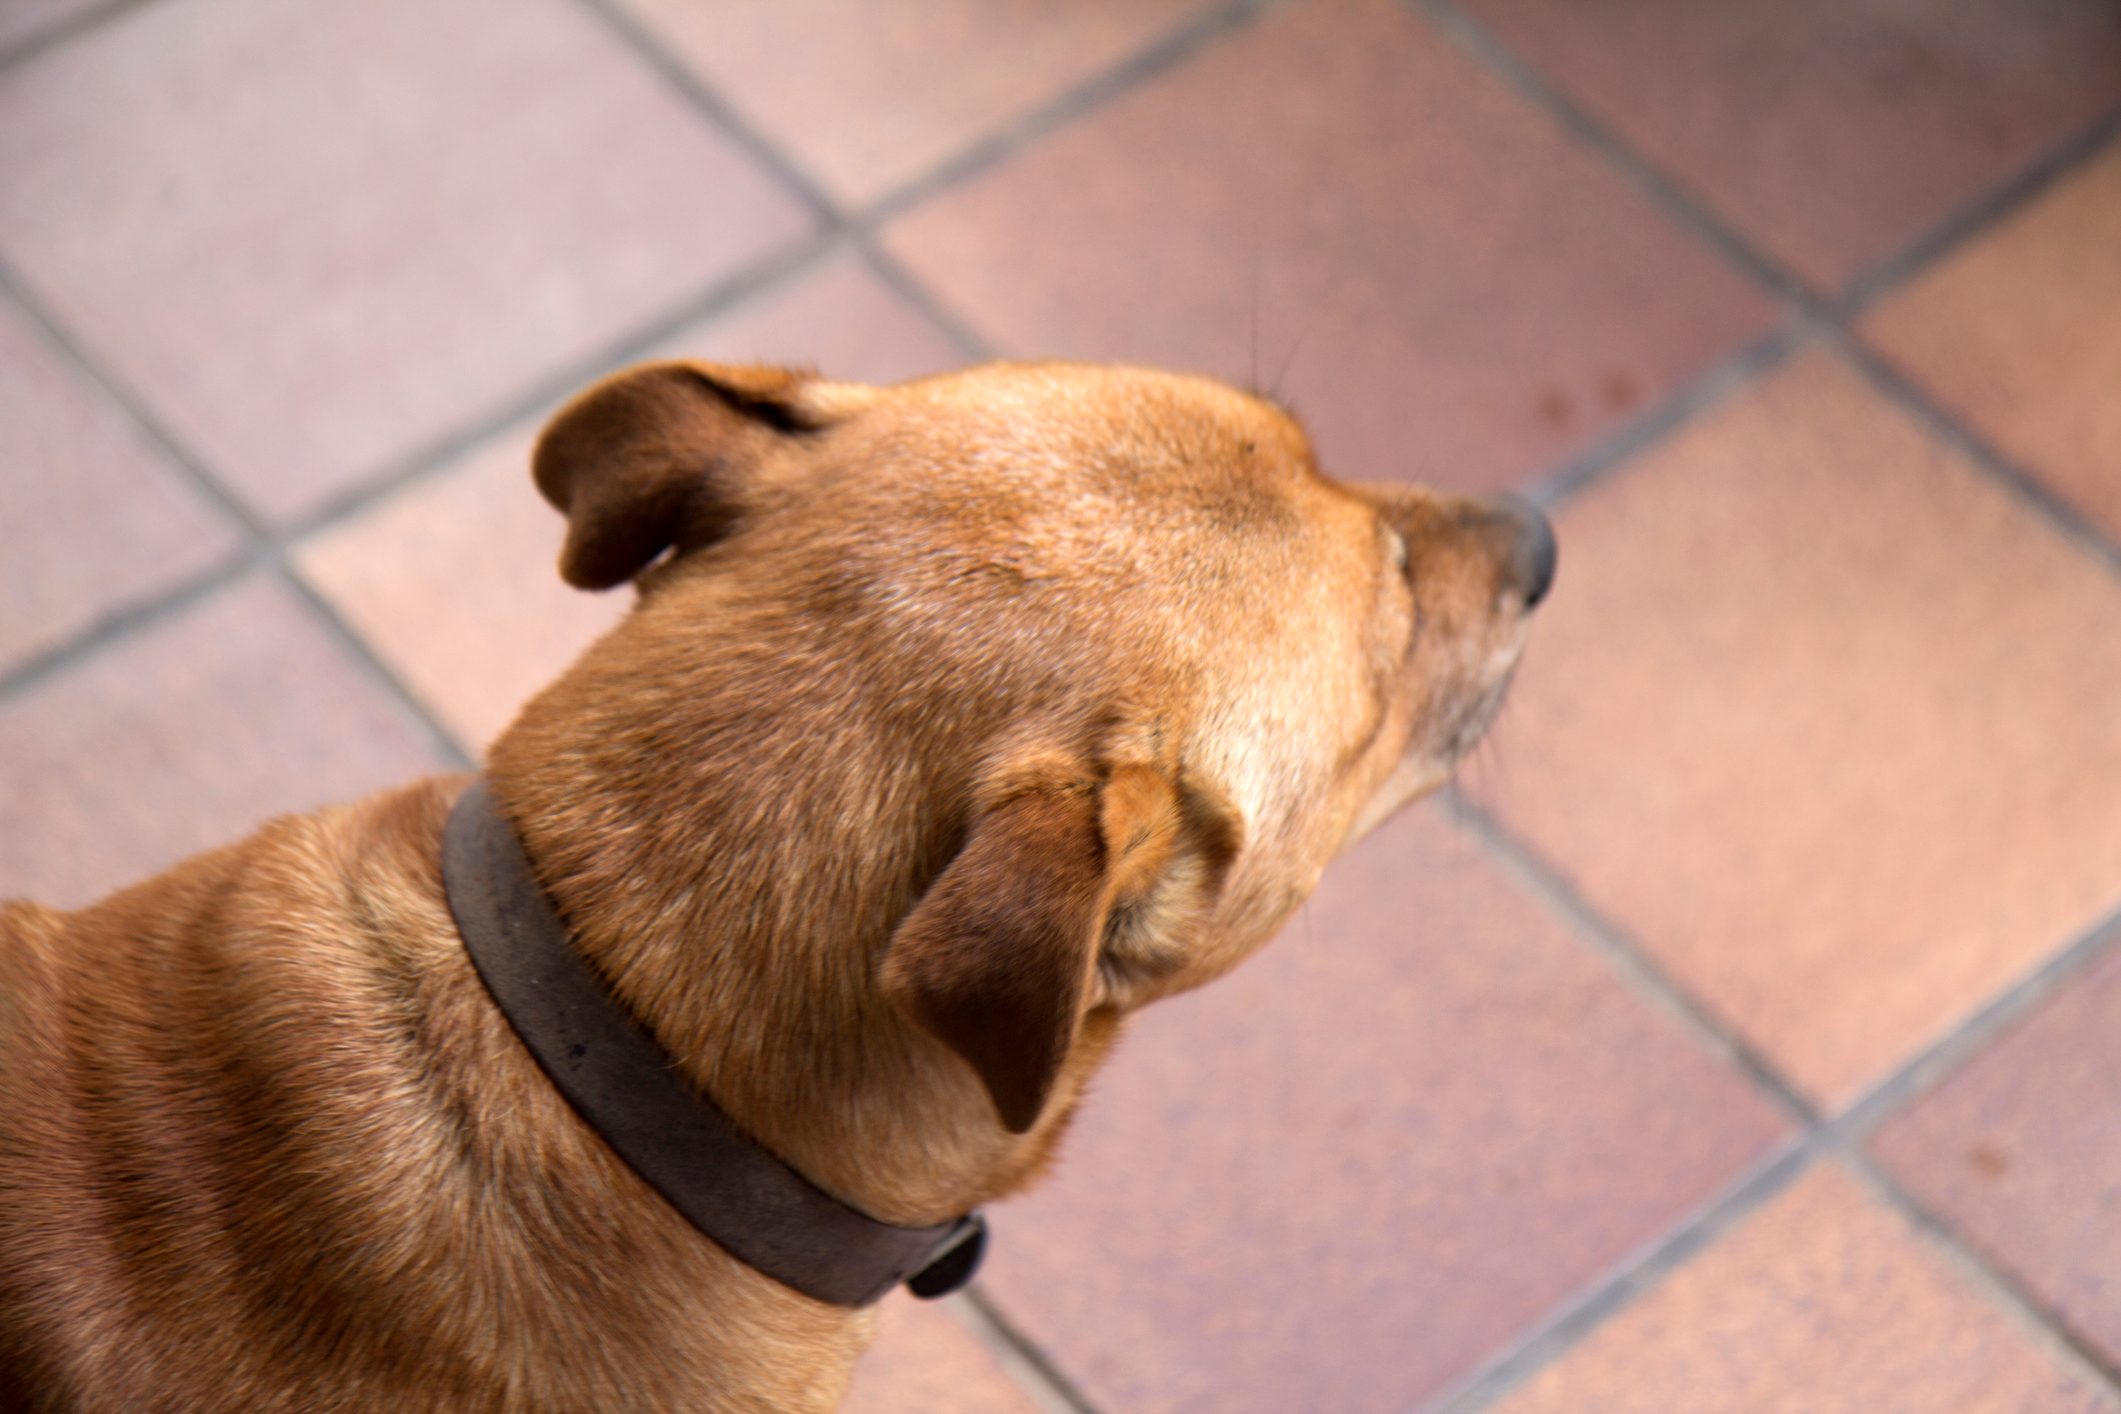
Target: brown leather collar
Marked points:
619	1080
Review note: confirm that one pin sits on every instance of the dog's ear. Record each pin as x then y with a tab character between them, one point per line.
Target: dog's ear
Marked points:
657	456
996	960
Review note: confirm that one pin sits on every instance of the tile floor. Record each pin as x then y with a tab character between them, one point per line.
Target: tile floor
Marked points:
1739	1034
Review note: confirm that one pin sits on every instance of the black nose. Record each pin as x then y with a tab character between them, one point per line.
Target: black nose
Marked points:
1528	561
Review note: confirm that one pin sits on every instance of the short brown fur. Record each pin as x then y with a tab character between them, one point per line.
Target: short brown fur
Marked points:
955	722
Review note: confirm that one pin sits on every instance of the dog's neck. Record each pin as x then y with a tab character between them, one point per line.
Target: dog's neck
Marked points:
738	904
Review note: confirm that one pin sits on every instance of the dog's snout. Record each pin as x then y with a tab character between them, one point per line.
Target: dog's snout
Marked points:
1529	553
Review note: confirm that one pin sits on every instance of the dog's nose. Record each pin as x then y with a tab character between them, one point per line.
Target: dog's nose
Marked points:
1528	560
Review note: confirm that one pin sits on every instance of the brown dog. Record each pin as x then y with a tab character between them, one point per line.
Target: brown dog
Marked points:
955	722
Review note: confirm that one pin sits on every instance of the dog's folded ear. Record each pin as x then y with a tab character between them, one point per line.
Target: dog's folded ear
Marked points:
997	958
656	456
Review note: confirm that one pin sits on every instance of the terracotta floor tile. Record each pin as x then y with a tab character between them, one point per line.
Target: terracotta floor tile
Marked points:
2016	334
1340	1177
1832	133
926	1362
453	581
315	238
92	519
185	737
868	96
1825	719
2021	1152
839	319
1339	204
1823	1301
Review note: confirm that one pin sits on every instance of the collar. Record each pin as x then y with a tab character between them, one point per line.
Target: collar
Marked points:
619	1080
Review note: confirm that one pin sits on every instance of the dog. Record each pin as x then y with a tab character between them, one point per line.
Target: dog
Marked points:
954	723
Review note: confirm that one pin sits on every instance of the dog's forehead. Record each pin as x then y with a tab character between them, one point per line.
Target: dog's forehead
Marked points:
1096	416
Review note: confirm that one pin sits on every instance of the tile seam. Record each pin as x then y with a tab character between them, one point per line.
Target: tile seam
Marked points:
2031	494
1841	1132
268	549
755	279
1986	1025
261	549
1636	964
354	646
1665	191
128	622
1714	386
832	231
56	34
2002	1291
1559	1331
1830	314
1980	214
985	153
861	224
1830	318
1027	1362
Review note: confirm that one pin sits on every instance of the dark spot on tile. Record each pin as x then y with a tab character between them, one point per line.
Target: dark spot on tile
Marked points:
1988	1160
1553	408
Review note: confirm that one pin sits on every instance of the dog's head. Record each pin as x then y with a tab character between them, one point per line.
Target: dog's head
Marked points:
1095	663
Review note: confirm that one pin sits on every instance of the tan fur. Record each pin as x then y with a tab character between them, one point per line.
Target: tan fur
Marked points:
959	720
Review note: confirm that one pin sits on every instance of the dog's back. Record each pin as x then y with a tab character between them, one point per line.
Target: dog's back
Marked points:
173	1086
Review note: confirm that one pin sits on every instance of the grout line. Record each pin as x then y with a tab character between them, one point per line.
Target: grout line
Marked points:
1978	215
357	647
757	278
836	230
1032	1367
983	154
1996	1017
971	344
1831	318
1840	1133
1631	1279
1721	381
839	229
2029	491
127	622
93	371
2042	1323
1558	894
859	226
1824	313
267	546
42	41
262	548
646	47
1664	191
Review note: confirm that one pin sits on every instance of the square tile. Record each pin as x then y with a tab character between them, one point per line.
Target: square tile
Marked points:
93	520
453	581
869	94
1825	719
186	736
317	238
1338	203
2020	1151
1831	133
838	318
1823	1301
1346	1174
926	1361
2016	335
